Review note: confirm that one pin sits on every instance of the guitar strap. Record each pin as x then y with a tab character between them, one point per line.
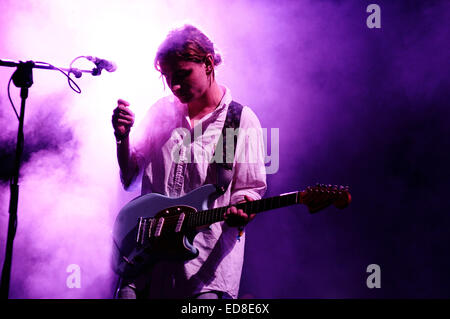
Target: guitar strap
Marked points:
224	153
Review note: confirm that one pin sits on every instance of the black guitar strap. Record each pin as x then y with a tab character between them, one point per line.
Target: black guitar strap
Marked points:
224	153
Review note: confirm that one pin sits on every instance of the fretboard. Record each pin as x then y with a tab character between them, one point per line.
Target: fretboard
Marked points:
210	216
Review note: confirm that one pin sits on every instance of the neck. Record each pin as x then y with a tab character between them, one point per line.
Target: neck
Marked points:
207	102
210	216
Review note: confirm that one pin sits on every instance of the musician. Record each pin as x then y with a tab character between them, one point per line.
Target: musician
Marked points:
187	60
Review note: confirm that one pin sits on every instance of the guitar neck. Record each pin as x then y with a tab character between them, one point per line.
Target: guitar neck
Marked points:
214	215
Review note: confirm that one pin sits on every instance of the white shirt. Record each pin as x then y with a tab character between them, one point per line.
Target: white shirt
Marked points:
171	164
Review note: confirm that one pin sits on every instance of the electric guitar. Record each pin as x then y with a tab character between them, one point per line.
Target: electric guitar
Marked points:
152	227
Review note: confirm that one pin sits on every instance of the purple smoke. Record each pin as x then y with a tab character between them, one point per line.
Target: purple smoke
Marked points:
355	106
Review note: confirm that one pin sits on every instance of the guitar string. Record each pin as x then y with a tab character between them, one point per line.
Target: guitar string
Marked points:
212	215
214	211
207	214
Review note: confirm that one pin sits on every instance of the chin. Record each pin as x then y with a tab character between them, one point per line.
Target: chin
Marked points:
184	99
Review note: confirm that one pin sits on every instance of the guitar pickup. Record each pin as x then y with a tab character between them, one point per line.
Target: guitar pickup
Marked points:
140	230
145	227
179	223
150	228
159	227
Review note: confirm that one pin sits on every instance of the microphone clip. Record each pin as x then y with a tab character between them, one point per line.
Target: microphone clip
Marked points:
101	64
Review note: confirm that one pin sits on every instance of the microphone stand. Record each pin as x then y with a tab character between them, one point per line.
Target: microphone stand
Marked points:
23	79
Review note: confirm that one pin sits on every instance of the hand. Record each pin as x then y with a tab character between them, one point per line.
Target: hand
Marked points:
122	119
237	217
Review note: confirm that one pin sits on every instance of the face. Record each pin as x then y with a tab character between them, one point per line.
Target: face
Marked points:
187	80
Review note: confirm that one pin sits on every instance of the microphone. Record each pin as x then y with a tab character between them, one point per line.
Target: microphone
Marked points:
102	64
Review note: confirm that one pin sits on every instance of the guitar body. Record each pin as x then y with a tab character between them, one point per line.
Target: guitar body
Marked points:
134	249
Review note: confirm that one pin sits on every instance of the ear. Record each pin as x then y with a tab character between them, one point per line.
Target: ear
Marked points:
209	64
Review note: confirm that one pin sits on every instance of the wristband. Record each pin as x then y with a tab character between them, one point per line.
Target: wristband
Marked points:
120	137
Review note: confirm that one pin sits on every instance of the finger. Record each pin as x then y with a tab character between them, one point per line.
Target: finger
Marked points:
241	213
120	110
122	102
248	198
116	117
125	117
123	121
123	109
231	211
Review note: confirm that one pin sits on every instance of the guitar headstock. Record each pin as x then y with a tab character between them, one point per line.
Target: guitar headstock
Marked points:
321	196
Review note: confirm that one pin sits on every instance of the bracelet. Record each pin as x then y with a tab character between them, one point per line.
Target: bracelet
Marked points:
240	233
120	137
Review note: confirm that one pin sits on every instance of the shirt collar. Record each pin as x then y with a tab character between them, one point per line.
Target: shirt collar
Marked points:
223	106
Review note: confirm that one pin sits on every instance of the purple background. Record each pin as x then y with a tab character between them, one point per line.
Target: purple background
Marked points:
367	108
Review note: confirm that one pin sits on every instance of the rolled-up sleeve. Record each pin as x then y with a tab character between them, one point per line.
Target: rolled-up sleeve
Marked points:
249	176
